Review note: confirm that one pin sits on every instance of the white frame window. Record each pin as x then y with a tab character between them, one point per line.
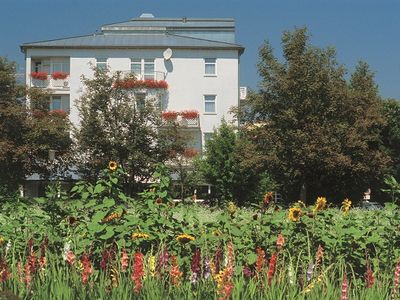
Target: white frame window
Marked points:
101	63
143	68
210	104
59	102
210	67
60	66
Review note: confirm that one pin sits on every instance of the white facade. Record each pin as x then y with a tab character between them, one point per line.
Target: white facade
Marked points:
189	87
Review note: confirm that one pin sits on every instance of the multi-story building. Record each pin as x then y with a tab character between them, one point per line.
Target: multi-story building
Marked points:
198	58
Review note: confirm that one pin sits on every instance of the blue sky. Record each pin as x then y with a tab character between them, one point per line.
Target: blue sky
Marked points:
358	29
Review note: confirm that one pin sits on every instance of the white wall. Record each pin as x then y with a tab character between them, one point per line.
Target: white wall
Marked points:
184	74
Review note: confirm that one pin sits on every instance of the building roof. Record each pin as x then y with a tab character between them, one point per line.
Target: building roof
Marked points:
150	32
132	41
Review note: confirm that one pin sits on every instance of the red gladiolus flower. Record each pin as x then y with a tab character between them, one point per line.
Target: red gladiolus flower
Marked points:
369	277
4	271
138	272
87	268
175	274
196	266
271	268
345	288
124	260
280	242
70	258
106	256
260	261
396	281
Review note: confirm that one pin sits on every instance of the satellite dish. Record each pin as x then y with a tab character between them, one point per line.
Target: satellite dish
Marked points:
167	54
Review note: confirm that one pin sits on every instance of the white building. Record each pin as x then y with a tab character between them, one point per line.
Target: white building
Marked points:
198	58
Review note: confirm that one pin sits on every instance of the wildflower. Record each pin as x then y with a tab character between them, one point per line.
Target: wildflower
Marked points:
137	272
267	198
310	271
4	270
106	256
290	273
232	208
1	240
396	281
369	276
271	267
42	259
217	260
70	258
112	165
260	261
345	288
162	260
320	204
224	277
114	276
87	268
196	266
217	233
158	200
207	268
175	274
124	260
151	260
280	241
295	214
139	235
319	256
310	287
185	238
112	216
346	204
247	272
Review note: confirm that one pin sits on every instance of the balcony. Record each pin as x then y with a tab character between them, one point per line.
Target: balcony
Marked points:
189	119
155	75
49	82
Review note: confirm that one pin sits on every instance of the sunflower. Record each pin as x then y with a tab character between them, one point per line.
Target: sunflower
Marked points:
185	238
295	214
320	204
232	208
112	165
139	235
112	216
1	240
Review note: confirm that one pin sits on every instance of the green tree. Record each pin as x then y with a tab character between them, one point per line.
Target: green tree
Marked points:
318	133
28	133
391	133
118	124
12	128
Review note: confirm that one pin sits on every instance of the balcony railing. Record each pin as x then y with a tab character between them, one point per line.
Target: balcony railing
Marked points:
50	83
189	123
155	75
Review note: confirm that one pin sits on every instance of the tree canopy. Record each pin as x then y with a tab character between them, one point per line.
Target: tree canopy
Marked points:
318	132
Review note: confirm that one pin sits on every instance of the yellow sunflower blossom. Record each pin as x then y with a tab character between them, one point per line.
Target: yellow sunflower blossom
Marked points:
295	214
1	240
185	238
112	165
112	216
232	208
320	204
139	235
346	204
301	204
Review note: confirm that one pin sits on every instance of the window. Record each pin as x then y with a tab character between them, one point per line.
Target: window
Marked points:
209	103
143	68
60	102
149	69
101	63
208	136
60	66
210	66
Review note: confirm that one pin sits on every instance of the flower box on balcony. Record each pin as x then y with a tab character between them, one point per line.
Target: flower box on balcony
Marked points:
39	75
132	83
59	75
190	152
189	114
169	115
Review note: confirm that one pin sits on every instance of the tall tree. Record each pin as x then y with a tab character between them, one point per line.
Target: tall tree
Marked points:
319	134
117	124
12	128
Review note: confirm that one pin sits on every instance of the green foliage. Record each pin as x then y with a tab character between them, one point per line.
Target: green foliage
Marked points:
317	133
394	188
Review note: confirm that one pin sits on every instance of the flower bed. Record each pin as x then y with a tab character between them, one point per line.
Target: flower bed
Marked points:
169	115
189	114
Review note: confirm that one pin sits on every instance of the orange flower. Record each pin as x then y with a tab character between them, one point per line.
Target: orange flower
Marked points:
112	165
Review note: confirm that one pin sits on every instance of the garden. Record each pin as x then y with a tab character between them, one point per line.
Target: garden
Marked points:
95	242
